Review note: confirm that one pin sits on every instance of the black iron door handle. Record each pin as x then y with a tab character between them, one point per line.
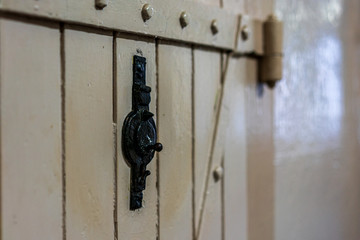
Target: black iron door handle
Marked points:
139	134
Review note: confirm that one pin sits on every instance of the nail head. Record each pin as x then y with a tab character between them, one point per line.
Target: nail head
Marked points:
100	4
214	27
218	173
147	12
245	33
184	19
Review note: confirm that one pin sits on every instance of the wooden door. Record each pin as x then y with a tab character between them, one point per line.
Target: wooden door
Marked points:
227	170
64	101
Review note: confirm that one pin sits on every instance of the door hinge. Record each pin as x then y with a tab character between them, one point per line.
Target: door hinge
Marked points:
271	62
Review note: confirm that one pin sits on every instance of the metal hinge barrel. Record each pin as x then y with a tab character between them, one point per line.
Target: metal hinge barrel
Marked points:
272	59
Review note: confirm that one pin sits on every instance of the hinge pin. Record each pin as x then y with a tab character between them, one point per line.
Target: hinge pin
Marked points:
271	62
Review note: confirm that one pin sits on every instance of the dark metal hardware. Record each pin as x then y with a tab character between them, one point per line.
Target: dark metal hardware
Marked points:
139	134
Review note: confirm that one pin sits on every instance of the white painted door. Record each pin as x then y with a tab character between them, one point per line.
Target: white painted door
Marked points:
240	161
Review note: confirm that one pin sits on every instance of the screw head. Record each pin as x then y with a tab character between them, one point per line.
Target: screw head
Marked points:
245	33
214	27
184	19
218	173
147	12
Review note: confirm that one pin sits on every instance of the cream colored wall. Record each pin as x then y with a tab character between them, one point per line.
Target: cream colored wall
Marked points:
317	160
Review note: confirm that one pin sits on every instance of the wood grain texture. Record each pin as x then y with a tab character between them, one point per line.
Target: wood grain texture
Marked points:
229	151
125	16
260	141
89	136
207	74
139	224
174	123
260	156
47	8
254	42
30	131
235	162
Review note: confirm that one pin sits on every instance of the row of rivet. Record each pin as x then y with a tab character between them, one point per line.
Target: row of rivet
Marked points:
148	11
184	18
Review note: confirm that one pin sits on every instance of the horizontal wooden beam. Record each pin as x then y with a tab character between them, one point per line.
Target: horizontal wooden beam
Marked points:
206	25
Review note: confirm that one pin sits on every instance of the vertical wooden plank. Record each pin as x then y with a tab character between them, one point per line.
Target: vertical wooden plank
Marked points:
207	74
175	167
235	171
260	156
259	139
210	225
30	131
88	135
229	151
260	142
140	224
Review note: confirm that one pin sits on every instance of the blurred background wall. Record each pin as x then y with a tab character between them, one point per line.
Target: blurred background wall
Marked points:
316	122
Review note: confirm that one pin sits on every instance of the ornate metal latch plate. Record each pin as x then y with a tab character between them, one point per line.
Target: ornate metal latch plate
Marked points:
139	134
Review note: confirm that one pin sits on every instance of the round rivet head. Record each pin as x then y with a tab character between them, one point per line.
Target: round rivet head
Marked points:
184	19
100	4
245	33
218	173
214	27
147	12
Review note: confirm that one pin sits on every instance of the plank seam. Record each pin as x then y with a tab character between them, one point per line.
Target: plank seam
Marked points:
63	150
115	180
0	152
223	199
158	129
115	136
193	139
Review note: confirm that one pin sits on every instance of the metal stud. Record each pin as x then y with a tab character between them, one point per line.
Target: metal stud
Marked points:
100	4
218	173
214	27
184	19
147	12
245	33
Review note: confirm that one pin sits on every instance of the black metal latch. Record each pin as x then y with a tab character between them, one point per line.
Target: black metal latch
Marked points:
139	134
